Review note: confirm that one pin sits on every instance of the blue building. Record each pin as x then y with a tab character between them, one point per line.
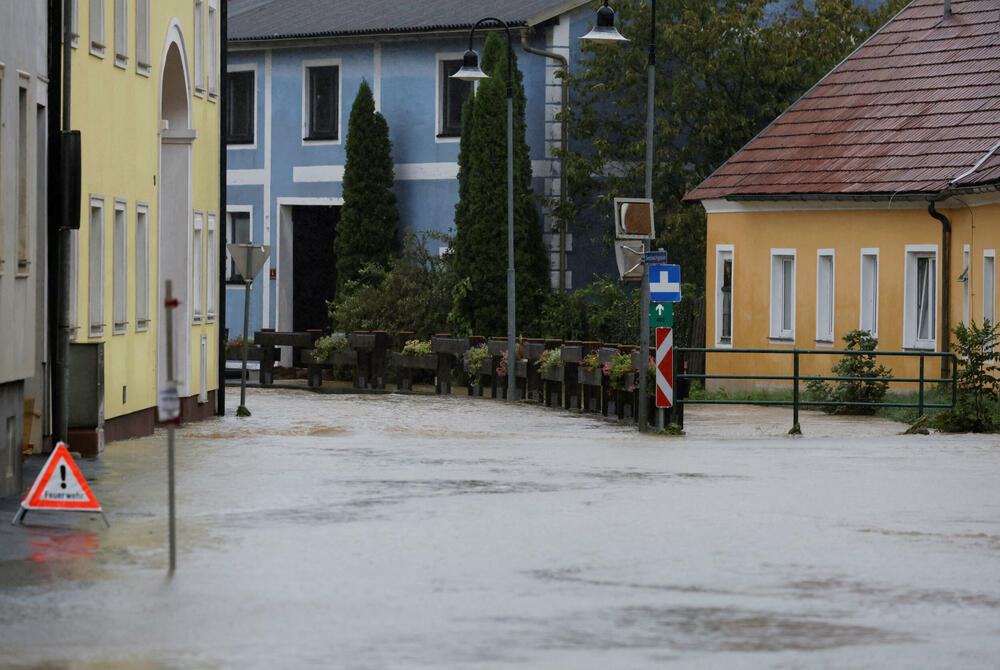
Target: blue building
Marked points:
294	69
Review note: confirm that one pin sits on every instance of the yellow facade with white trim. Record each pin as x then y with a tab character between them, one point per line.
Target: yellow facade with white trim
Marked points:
116	105
754	229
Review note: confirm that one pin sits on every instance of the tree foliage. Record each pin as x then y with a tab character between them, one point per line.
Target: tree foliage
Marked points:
725	69
978	385
369	220
481	213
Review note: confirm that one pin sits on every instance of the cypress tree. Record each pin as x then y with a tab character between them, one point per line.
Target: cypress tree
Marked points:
481	214
369	220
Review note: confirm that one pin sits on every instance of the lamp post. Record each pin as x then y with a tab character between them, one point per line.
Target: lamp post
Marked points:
605	32
470	71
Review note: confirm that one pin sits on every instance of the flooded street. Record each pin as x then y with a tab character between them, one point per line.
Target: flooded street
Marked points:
394	531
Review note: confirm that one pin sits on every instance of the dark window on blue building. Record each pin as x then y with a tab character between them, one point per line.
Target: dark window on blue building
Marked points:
240	92
453	95
323	102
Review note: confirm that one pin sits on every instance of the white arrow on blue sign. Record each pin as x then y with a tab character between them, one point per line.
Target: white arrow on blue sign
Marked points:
665	283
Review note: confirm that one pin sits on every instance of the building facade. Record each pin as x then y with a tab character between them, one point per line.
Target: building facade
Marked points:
146	99
294	69
872	203
23	165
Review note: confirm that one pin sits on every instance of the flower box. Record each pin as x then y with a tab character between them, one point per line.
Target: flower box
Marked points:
418	362
591	377
553	374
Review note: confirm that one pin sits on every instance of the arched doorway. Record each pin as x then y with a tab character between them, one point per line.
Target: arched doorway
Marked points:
176	138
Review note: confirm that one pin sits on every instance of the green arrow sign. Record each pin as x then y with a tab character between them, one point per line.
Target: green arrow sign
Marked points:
661	315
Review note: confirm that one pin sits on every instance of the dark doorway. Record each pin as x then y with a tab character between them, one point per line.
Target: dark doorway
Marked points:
314	265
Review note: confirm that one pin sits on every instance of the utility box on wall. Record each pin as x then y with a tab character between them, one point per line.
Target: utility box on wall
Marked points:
86	397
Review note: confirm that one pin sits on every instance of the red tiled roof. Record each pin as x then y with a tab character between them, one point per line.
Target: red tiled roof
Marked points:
915	109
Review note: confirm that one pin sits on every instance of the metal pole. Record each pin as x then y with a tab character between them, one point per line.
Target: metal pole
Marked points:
169	304
921	393
511	330
795	393
242	409
60	364
644	300
220	286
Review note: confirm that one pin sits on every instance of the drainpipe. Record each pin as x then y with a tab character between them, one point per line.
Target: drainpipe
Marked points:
562	145
223	219
945	273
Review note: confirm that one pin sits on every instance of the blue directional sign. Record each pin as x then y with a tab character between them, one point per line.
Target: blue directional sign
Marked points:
658	257
665	283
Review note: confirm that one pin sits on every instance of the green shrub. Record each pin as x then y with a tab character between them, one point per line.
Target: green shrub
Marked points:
549	360
326	345
862	365
417	348
602	311
473	359
978	386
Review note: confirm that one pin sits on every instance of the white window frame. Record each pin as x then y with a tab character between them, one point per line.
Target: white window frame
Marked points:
230	239
199	48
74	284
439	93
910	316
246	67
141	266
95	266
142	66
826	302
778	295
198	266
22	175
97	38
3	164
212	266
724	252
989	285
212	46
119	267
121	34
74	25
872	252
322	62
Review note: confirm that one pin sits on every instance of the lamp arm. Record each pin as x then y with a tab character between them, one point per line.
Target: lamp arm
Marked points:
510	55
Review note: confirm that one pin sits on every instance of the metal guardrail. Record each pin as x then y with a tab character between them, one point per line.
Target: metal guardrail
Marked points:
796	379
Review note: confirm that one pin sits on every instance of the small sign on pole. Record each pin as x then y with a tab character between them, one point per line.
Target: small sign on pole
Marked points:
661	315
664	367
60	486
665	283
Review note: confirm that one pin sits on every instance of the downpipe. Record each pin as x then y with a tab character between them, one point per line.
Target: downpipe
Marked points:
945	274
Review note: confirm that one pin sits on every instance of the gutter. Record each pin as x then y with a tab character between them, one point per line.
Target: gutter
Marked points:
563	147
945	273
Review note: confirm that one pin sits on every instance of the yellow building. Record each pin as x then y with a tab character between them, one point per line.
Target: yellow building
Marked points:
872	203
145	97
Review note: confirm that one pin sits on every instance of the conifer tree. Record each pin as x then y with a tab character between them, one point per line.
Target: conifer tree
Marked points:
481	214
369	220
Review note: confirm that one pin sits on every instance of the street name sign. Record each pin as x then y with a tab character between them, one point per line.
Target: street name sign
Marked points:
665	283
60	486
658	257
664	367
661	315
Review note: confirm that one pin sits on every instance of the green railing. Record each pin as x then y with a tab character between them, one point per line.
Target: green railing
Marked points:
796	379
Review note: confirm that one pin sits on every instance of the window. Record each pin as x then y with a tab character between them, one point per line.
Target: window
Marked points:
97	27
964	278
142	37
453	93
21	174
141	266
869	291
121	34
119	263
242	99
989	285
199	47
74	283
323	97
96	269
213	255
74	24
198	267
920	297
237	232
783	294
724	294
824	295
213	48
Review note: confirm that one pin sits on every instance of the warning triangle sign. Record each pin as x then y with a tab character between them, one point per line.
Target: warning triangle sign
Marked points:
60	485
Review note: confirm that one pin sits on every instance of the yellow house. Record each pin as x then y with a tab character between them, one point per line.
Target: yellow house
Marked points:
145	97
871	203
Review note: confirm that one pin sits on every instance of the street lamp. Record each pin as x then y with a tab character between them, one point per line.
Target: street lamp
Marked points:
470	71
606	33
